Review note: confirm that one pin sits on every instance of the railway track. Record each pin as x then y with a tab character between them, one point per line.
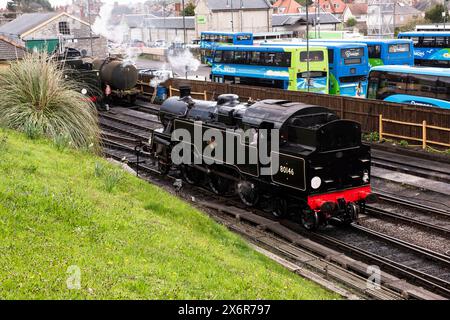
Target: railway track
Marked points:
418	265
431	270
414	214
307	263
434	170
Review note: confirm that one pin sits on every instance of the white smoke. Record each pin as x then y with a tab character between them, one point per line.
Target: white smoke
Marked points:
115	33
183	62
103	26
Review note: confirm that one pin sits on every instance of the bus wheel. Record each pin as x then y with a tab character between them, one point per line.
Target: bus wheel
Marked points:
309	219
248	193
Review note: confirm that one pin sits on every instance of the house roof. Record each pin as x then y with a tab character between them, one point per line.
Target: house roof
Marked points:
291	6
279	20
402	8
25	22
424	5
10	50
136	20
332	3
237	4
357	8
170	23
28	22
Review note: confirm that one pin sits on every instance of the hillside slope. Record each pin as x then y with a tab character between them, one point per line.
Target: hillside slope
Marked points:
67	217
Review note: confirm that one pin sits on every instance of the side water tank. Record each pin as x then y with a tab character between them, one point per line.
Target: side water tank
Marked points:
118	75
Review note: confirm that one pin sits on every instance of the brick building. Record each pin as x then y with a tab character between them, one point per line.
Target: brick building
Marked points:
75	32
10	51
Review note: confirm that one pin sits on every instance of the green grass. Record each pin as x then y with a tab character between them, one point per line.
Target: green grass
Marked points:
61	208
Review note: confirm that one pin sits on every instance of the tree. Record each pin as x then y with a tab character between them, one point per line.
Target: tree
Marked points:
303	2
189	10
435	13
351	22
410	26
29	5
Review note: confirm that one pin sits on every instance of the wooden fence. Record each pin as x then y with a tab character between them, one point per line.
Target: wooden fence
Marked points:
424	127
366	112
203	94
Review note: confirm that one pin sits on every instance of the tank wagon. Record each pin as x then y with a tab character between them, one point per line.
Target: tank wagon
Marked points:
318	168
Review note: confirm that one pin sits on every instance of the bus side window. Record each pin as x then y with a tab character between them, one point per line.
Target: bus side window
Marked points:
422	85
282	59
428	42
440	42
391	83
373	85
374	51
443	90
269	58
227	56
218	56
240	57
254	57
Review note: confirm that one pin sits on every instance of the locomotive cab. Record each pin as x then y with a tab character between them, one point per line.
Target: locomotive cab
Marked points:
338	167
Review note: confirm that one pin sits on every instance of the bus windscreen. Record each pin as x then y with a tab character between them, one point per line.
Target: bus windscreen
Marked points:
399	48
313	56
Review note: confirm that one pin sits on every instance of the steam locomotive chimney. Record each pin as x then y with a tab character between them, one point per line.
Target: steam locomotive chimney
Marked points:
185	91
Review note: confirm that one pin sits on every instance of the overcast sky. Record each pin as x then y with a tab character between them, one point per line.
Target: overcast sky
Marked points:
60	2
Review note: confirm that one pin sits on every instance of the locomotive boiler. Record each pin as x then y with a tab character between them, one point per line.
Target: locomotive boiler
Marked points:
114	72
313	166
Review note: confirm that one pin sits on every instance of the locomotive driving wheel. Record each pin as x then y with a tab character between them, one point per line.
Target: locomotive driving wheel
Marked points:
191	175
218	184
309	219
248	193
279	207
163	167
352	213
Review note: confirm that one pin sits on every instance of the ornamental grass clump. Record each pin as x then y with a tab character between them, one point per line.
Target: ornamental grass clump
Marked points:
35	98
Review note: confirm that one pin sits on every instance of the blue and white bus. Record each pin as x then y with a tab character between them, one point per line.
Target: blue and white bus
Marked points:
385	51
348	66
413	85
431	49
210	40
288	68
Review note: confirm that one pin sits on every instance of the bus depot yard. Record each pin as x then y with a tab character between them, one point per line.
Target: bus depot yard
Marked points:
358	207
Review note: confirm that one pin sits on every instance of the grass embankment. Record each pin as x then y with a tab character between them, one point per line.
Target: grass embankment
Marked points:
128	238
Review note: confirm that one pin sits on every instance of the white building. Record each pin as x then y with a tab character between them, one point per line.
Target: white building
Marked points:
233	15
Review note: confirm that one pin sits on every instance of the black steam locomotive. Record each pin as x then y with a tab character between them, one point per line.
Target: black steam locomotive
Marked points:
315	167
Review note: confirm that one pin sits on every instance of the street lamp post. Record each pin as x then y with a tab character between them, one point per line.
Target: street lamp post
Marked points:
307	46
90	27
230	5
184	22
443	16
